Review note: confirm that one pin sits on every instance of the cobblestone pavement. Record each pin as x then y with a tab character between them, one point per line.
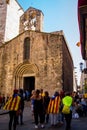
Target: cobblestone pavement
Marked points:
77	124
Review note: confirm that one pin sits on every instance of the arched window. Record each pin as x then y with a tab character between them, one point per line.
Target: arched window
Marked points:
26	48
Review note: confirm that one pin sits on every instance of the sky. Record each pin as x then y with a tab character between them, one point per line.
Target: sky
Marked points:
60	15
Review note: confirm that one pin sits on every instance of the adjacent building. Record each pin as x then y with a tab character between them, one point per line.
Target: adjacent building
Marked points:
82	19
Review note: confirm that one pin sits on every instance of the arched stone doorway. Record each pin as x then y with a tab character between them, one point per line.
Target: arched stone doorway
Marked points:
25	76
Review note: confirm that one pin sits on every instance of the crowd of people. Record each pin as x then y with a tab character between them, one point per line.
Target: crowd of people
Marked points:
45	108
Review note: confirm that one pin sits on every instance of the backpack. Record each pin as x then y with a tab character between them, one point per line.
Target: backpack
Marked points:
66	109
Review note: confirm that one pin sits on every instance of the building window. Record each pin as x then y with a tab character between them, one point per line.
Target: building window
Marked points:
26	48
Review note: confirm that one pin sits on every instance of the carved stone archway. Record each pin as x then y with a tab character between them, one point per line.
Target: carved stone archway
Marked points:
21	71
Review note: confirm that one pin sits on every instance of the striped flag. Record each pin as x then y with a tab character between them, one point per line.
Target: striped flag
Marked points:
54	105
12	104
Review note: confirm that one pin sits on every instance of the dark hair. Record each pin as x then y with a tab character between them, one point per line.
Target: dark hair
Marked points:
15	91
46	93
37	91
21	91
67	94
56	94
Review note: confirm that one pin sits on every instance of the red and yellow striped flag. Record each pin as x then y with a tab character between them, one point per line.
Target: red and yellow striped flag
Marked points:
54	105
12	104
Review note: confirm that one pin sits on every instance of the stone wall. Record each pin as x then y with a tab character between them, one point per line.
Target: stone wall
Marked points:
67	68
44	53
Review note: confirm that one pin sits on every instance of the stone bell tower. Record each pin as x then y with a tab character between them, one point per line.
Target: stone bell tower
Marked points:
10	12
32	19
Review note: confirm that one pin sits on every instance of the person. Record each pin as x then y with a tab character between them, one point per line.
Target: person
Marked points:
20	116
61	115
46	103
53	108
68	101
3	100
38	109
32	102
0	101
27	95
13	105
84	106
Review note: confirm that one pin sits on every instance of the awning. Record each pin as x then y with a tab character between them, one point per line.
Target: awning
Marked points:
82	14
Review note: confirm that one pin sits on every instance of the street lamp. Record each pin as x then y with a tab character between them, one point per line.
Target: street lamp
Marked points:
81	66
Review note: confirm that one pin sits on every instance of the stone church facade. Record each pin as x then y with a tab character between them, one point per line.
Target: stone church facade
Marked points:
34	59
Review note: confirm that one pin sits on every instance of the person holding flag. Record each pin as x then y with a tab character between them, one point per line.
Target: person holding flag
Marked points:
13	105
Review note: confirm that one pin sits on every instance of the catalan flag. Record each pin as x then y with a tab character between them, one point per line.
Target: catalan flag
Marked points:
12	104
54	105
